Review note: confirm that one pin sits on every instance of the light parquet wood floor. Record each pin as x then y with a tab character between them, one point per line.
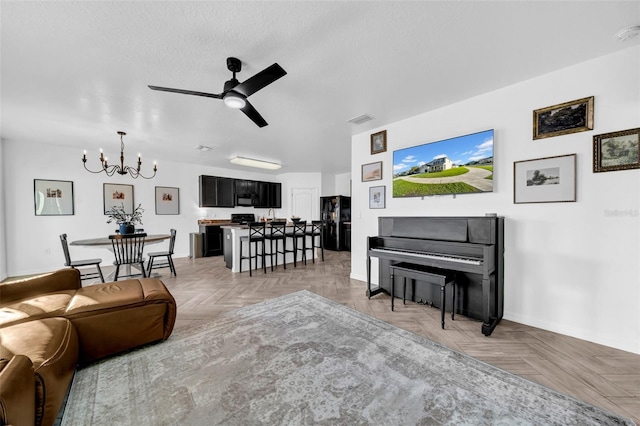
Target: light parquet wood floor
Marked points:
599	375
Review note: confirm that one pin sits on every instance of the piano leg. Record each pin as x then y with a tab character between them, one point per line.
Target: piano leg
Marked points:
443	298
369	277
488	322
369	291
393	285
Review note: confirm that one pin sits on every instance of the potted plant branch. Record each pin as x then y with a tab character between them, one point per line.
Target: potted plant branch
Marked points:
126	221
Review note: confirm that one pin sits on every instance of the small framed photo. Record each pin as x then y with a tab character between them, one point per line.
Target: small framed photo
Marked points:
616	151
379	142
115	195
167	200
53	197
377	197
545	180
569	117
372	171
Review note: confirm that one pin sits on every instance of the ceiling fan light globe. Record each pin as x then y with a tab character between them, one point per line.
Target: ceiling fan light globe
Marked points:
234	101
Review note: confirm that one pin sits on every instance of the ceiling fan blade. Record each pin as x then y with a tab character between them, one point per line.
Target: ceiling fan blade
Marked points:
254	115
186	92
260	80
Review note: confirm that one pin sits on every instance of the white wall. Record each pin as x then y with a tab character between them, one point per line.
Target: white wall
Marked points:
31	243
572	268
3	248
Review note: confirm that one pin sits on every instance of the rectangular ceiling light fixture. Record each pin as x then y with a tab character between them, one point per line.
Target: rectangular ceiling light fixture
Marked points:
250	162
360	119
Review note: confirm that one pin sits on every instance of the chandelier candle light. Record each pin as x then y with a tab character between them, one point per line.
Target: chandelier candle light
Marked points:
121	169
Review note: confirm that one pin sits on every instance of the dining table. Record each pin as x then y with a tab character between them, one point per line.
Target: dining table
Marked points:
105	242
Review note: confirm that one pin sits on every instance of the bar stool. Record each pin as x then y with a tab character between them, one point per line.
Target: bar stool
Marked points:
299	233
277	233
316	231
255	239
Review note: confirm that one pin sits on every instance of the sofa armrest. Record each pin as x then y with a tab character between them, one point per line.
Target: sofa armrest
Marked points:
17	392
60	280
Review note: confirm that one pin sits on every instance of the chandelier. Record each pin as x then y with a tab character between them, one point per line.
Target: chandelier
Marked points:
120	169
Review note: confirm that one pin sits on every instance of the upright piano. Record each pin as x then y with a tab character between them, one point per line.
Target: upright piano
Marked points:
472	246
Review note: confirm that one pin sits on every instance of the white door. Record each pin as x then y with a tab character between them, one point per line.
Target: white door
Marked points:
305	203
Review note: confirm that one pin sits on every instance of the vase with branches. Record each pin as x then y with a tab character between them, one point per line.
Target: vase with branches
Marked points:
126	221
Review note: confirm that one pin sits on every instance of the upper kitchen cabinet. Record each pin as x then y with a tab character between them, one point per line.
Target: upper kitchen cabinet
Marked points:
216	191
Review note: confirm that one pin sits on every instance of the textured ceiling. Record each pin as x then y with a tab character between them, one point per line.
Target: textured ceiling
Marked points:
74	73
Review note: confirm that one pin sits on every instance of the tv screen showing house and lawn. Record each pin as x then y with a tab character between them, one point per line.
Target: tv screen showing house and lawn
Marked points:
460	165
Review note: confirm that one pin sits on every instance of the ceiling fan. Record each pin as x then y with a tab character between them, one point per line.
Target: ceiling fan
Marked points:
235	94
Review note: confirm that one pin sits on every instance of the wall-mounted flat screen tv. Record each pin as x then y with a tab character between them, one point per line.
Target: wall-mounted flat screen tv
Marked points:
459	165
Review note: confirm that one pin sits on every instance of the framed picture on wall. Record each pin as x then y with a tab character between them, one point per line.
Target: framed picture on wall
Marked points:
372	171
616	151
377	197
115	195
569	117
379	142
53	197
167	200
545	180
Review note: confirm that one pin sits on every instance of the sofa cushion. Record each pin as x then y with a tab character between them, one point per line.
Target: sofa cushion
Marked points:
17	391
35	307
113	317
52	346
53	282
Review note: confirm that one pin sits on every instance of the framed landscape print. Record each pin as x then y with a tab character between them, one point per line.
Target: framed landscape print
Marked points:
53	197
569	117
167	200
616	151
372	171
377	197
115	195
545	180
379	142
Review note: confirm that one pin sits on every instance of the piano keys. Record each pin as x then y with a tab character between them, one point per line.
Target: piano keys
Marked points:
471	246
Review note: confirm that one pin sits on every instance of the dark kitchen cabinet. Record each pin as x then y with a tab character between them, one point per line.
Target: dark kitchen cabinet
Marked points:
246	186
216	191
213	241
269	195
275	195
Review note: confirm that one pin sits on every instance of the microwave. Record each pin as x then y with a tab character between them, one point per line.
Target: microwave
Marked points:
246	200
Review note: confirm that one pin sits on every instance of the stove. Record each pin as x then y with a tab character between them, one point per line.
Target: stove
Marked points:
242	218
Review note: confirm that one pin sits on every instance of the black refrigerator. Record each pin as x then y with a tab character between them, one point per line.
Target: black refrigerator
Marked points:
335	213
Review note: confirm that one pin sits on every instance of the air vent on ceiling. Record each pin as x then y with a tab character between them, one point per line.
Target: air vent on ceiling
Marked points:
360	119
202	148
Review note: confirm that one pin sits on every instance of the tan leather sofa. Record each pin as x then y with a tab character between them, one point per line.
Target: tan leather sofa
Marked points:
50	323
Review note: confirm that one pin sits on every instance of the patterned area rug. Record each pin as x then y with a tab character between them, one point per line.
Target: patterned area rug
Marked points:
301	359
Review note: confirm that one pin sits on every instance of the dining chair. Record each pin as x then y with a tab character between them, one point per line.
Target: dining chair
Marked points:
255	240
78	263
316	232
127	249
164	263
299	239
277	233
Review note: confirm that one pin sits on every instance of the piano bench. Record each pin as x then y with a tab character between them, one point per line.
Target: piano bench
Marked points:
426	274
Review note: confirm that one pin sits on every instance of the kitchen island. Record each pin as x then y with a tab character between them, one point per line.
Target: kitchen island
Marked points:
232	234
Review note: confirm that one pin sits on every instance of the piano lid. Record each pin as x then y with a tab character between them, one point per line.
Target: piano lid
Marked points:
435	228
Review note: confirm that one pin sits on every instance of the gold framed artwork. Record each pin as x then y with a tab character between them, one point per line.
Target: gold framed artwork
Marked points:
569	117
372	171
379	142
616	151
